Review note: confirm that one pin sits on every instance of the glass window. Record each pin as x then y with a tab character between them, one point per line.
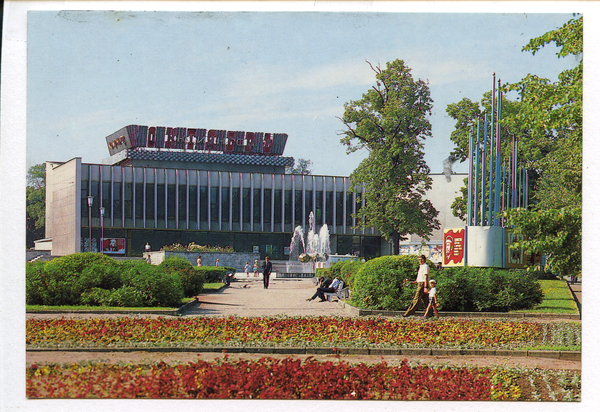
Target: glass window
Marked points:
84	193
117	204
339	208
267	206
246	206
225	204
105	200
182	203
193	211
160	201
128	199
308	205
298	208
256	204
329	208
204	203
319	208
349	208
171	201
139	200
288	206
277	212
95	192
150	201
214	204
235	204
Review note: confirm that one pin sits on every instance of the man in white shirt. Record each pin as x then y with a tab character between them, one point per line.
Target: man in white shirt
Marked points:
421	281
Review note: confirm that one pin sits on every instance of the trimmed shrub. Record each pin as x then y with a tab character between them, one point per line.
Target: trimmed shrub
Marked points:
35	283
487	289
379	284
213	274
62	280
152	284
192	280
348	271
96	279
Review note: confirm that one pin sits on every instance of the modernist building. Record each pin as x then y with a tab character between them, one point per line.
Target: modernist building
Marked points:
179	185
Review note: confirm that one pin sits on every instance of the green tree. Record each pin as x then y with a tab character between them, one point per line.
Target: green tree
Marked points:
36	203
391	122
552	115
304	167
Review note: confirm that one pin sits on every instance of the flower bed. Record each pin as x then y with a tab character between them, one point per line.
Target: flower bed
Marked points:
300	331
264	379
290	378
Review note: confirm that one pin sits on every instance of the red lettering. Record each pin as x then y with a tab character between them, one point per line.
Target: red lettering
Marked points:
152	137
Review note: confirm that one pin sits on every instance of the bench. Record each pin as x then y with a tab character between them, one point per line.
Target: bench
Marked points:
340	293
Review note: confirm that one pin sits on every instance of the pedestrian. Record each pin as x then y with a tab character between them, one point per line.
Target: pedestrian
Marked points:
267	267
433	301
255	268
422	281
217	263
247	269
199	261
439	266
147	248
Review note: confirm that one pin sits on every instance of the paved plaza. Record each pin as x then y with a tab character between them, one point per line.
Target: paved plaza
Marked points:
247	297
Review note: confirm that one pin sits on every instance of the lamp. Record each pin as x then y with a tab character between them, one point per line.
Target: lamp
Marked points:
102	226
90	200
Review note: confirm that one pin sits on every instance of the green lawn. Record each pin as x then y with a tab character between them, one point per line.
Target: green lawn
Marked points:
557	298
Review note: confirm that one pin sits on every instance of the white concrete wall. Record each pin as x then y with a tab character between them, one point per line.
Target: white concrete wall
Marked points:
63	214
441	195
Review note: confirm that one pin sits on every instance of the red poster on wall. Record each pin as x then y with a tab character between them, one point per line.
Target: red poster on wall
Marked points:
113	245
454	247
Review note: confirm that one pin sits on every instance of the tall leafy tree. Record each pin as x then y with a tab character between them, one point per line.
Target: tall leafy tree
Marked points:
36	203
391	122
552	115
547	119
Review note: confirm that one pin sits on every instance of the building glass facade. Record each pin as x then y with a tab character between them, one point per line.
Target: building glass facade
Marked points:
243	210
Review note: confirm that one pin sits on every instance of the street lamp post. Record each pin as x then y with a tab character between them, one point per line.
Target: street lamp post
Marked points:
90	203
102	228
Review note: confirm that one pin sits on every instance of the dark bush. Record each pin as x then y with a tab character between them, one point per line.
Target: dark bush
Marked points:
36	283
213	274
192	280
470	289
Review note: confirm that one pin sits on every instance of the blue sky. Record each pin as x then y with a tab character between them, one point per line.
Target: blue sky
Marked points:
90	73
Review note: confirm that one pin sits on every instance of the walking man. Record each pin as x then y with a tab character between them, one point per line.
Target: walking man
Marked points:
422	281
266	267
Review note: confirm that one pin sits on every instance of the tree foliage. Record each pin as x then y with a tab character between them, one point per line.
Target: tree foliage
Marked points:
547	120
304	167
391	122
36	203
555	233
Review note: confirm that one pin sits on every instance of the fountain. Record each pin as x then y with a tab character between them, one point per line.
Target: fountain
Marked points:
308	254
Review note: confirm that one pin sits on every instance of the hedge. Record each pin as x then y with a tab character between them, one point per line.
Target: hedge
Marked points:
192	280
98	280
379	284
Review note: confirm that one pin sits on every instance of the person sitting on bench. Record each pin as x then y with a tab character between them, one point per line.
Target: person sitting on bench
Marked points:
327	286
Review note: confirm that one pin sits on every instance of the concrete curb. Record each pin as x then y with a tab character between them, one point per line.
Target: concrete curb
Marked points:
560	355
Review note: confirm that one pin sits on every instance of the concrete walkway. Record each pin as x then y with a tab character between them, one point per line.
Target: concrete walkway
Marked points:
247	297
